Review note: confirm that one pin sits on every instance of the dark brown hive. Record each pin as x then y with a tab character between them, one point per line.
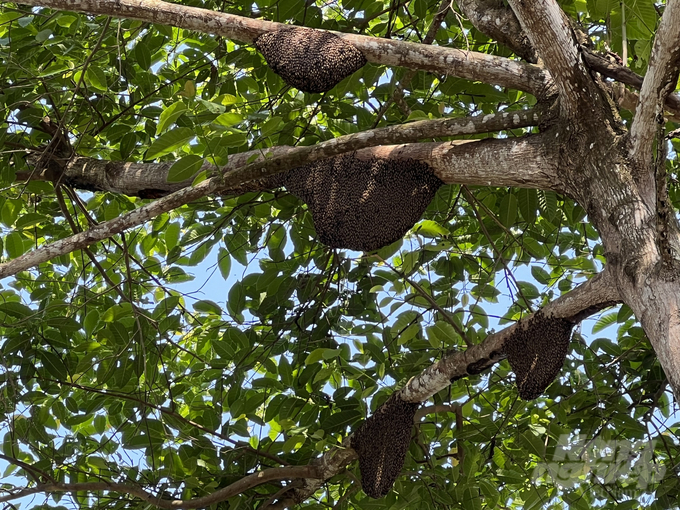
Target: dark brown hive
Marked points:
536	352
362	204
309	60
382	442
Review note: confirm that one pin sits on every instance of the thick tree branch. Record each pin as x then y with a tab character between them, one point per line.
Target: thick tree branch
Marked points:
588	298
495	20
622	74
660	80
653	296
550	32
628	100
525	162
150	180
328	465
449	61
238	487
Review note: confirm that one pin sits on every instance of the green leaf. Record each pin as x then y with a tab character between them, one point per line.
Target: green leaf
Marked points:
54	365
66	20
208	306
605	321
224	263
169	142
508	210
15	309
10	212
417	115
408	333
624	314
641	18
339	421
172	235
170	115
285	371
271	126
224	349
316	355
95	78
211	106
29	220
547	204
420	8
90	322
236	337
143	55
43	35
429	228
542	276
528	290
185	168
54	69
200	177
607	346
442	333
233	140
127	144
14	244
7	17
534	444
228	119
409	262
527	204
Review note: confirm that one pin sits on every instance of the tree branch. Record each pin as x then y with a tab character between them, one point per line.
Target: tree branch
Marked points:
150	180
449	61
516	162
32	471
435	409
590	297
625	75
109	228
660	80
495	20
549	30
524	162
628	100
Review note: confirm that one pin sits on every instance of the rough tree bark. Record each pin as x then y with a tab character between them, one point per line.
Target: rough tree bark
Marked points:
150	180
622	207
585	151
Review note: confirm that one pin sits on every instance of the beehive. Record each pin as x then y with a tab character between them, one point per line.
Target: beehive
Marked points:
362	204
309	60
382	442
536	351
